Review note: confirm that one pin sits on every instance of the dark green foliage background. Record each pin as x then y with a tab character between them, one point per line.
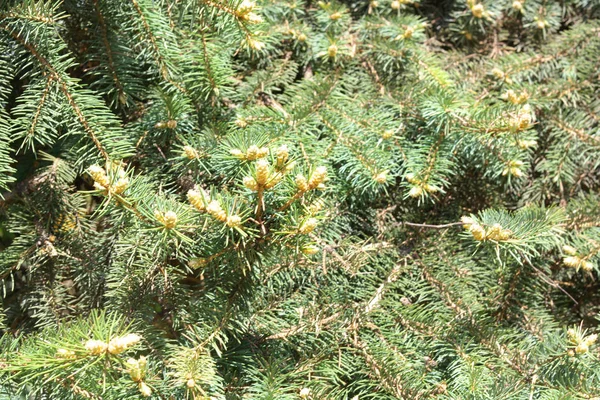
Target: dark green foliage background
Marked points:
409	106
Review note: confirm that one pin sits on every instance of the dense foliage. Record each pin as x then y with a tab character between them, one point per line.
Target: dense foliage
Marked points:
223	199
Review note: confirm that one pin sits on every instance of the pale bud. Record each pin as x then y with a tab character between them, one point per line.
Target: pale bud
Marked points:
467	222
316	206
254	44
510	96
134	370
274	179
145	389
262	172
517	5
308	226
301	183
168	219
478	232
493	232
282	154
429	188
581	348
95	346
197	263
415	191
246	7
237	153
591	339
121	343
190	152
380	177
516	172
250	183
196	198
215	209
120	186
262	152
310	249
525	144
572	261
234	221
317	177
477	10
253	18
64	353
332	50
572	333
570	250
587	265
252	152
498	73
98	174
142	362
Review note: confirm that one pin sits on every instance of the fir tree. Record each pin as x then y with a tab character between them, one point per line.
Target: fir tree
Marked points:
368	199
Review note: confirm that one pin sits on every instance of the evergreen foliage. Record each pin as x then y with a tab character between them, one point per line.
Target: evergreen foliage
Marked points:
224	199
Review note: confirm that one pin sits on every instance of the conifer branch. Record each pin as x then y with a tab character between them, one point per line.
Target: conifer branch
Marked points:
109	51
54	75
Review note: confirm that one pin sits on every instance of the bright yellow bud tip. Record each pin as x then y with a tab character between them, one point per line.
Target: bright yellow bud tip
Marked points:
477	10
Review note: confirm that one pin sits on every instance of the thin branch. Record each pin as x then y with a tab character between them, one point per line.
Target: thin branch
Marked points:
444	226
